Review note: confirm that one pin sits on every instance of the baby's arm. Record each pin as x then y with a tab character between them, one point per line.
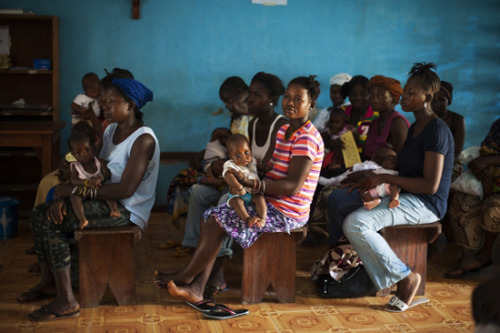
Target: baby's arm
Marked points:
78	109
234	186
106	173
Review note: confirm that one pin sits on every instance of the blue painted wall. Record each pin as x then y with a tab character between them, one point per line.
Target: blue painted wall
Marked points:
184	49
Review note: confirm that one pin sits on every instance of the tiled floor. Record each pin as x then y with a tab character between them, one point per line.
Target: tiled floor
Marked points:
448	311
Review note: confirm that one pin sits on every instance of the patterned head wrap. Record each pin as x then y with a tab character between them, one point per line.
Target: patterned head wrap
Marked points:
137	92
340	79
392	85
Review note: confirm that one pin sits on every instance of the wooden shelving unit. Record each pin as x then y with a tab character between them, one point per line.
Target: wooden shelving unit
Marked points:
32	37
29	131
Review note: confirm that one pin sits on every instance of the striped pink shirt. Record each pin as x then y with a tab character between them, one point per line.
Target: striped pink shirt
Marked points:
306	141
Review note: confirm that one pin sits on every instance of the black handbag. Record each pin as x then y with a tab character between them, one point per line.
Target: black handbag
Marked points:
355	283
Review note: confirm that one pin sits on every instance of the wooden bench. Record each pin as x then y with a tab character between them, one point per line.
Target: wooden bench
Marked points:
271	260
107	258
409	242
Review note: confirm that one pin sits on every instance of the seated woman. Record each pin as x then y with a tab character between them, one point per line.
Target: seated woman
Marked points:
264	93
425	168
390	128
359	113
133	156
338	102
288	187
476	223
455	121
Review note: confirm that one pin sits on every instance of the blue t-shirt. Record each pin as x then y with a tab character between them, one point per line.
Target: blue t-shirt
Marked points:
435	137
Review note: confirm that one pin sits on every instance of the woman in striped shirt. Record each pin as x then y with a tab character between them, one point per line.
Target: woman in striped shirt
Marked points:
288	187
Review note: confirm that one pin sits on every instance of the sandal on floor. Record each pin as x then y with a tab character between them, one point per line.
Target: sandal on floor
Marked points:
223	312
402	306
169	244
211	291
204	306
462	273
182	251
33	295
44	314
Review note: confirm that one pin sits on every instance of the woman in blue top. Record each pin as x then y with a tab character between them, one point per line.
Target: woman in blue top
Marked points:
425	168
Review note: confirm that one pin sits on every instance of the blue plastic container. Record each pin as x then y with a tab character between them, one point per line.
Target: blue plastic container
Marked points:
9	208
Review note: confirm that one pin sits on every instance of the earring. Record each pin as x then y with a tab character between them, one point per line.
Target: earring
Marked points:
425	105
271	104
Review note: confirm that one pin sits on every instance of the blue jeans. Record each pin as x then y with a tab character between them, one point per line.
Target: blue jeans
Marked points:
362	227
201	198
340	204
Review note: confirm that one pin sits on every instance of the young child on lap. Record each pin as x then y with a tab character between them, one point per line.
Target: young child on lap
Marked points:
241	161
87	174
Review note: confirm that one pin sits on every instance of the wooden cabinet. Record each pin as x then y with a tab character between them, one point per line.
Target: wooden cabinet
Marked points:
33	38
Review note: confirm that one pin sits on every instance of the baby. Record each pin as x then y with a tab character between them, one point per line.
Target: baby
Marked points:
87	174
82	102
383	161
241	161
333	160
388	160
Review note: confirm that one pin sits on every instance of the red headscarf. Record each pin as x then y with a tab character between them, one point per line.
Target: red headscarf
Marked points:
392	85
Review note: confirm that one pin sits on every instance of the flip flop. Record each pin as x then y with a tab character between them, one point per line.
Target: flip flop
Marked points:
44	314
203	306
33	296
402	306
211	291
223	312
169	244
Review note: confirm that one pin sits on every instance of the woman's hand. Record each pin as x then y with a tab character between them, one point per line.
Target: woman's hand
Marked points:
362	180
57	211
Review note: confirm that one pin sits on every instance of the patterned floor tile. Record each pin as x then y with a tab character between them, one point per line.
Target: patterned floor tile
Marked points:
448	311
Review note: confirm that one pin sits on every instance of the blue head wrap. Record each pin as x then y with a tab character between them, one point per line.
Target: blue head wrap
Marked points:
137	92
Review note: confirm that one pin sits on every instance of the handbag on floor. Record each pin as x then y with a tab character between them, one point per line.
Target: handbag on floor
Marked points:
341	274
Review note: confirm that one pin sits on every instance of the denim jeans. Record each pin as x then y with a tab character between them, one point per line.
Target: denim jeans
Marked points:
201	198
340	204
362	227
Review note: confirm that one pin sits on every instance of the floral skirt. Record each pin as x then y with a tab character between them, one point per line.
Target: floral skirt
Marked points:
244	235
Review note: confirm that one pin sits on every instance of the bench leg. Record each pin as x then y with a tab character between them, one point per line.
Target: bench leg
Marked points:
107	259
271	260
410	245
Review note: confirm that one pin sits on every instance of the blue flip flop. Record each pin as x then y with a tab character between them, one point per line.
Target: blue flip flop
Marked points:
203	306
223	312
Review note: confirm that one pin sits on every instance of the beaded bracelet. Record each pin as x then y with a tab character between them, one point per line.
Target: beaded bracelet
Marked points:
263	187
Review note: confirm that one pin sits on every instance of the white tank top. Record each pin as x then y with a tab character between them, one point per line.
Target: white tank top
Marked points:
140	203
260	152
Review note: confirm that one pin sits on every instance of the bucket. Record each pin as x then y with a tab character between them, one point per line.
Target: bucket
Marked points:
9	208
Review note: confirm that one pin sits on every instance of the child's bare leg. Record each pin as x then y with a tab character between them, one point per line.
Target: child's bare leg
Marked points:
368	201
394	196
239	207
76	203
261	207
113	207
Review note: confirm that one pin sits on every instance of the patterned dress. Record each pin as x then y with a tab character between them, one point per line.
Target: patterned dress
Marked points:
284	213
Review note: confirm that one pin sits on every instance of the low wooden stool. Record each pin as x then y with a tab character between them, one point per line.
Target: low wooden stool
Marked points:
409	242
271	260
107	257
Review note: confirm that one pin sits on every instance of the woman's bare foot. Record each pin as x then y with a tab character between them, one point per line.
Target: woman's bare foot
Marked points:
407	289
115	213
188	293
162	279
371	204
83	224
